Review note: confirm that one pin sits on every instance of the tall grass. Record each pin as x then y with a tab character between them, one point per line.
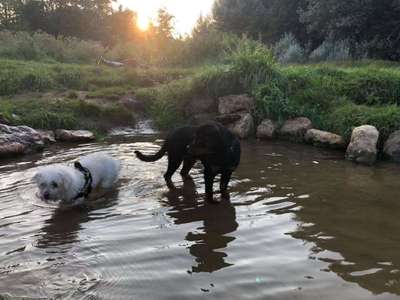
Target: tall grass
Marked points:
44	47
24	76
71	114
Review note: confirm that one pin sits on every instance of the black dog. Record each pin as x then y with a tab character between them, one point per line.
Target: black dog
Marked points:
211	143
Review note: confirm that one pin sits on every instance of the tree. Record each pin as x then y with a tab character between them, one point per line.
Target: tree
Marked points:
32	16
8	13
165	24
122	26
204	25
240	17
372	25
282	17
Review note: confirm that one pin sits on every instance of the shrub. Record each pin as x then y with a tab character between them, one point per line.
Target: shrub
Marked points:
67	114
385	118
288	50
44	47
330	50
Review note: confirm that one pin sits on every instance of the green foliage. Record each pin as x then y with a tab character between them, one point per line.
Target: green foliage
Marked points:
329	51
385	118
21	76
288	50
66	114
45	47
253	61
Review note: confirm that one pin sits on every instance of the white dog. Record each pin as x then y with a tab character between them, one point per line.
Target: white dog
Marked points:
73	184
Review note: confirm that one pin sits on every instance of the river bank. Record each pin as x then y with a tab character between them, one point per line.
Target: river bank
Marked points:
335	97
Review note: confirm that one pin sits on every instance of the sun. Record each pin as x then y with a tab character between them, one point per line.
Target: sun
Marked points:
143	22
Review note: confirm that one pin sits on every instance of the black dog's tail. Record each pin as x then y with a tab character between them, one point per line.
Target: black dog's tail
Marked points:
153	157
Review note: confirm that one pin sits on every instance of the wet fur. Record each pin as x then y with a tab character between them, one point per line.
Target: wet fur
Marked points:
211	143
60	182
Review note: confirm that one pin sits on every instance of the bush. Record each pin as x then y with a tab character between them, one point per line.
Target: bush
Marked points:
66	114
385	118
330	50
44	47
288	50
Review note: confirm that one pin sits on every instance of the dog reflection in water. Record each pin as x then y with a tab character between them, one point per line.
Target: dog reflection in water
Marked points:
62	228
219	222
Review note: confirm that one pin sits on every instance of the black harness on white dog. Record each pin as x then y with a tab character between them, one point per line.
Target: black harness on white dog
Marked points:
87	187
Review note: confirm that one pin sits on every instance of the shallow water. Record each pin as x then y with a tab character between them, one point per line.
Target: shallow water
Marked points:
301	224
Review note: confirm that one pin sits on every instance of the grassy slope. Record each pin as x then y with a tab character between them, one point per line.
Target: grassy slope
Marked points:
339	98
25	97
335	97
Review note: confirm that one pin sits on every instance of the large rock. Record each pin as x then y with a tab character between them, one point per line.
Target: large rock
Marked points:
47	136
325	139
17	140
244	127
202	118
295	129
391	149
267	129
200	105
229	119
77	136
235	103
362	148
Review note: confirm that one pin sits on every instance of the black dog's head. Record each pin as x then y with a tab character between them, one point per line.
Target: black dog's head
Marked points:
207	140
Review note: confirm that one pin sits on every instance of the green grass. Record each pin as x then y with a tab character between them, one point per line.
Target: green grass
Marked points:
24	76
66	114
336	97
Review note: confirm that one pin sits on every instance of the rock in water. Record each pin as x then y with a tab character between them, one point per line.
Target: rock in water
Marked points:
266	130
235	103
391	149
362	148
324	139
200	105
244	127
47	136
295	129
17	140
75	136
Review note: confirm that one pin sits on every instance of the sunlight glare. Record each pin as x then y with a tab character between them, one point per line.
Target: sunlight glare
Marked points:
186	12
143	22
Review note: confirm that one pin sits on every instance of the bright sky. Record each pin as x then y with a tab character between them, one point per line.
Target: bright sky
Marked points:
186	12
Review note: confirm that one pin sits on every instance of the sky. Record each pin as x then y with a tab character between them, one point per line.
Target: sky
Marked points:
186	12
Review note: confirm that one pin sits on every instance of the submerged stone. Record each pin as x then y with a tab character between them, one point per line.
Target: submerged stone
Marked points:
74	135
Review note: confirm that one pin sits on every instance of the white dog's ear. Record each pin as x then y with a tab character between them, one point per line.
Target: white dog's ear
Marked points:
37	178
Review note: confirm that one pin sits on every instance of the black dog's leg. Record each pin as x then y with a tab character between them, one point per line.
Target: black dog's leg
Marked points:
188	164
225	178
173	165
209	181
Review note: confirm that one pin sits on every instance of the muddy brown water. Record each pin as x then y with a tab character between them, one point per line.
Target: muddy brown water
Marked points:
302	223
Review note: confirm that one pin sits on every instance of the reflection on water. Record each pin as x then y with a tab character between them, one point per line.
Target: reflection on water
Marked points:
63	227
217	222
301	223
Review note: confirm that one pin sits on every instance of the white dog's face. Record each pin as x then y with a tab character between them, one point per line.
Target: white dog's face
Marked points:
50	185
